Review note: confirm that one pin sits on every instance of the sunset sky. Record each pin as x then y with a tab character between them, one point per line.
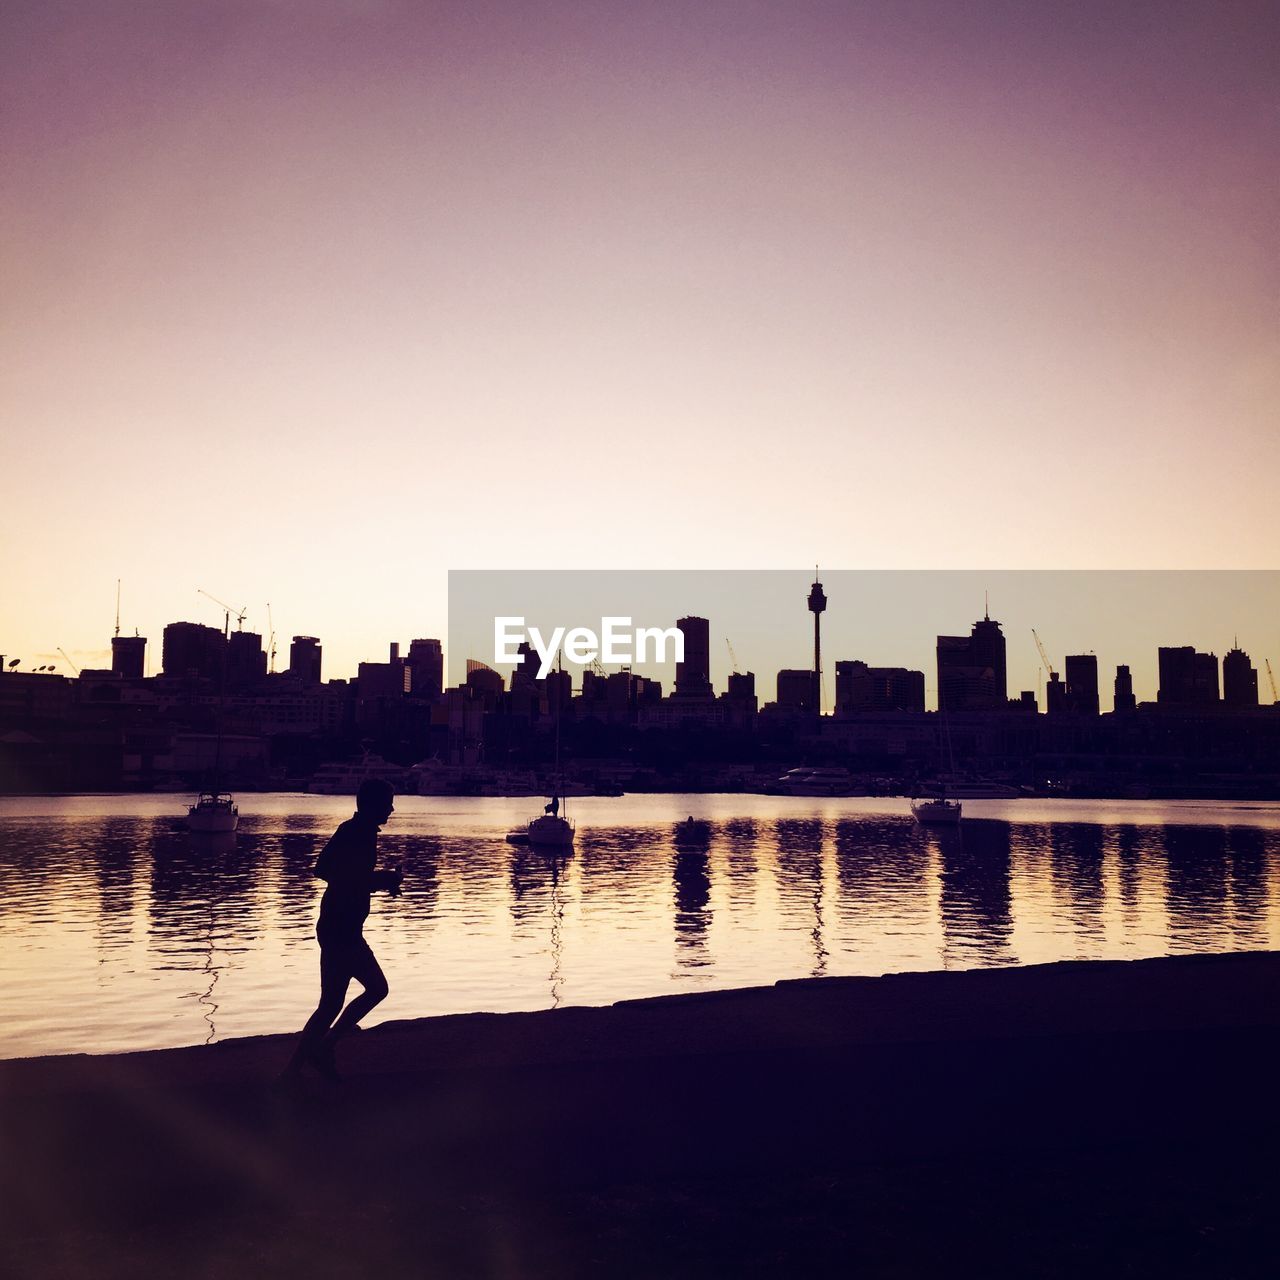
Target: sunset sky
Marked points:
309	301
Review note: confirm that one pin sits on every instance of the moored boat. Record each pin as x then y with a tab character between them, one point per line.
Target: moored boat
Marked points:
936	812
550	831
213	811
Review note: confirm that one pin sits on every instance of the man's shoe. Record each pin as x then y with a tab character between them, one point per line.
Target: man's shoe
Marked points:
320	1056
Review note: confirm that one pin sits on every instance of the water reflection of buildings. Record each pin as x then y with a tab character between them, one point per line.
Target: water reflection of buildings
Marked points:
739	837
1196	886
1077	851
800	849
115	870
691	872
888	853
1247	853
976	903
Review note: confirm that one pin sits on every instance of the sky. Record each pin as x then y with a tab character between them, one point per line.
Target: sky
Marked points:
309	302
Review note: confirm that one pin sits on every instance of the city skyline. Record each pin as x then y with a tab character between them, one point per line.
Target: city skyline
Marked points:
883	640
311	312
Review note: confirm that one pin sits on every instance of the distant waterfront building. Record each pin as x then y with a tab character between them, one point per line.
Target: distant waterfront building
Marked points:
1187	678
128	656
693	675
304	660
971	669
388	679
192	649
426	665
1055	695
740	697
246	659
1124	699
484	680
1239	680
1082	683
863	688
525	676
797	690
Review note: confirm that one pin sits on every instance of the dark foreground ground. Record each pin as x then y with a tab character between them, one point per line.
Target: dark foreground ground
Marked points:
1068	1120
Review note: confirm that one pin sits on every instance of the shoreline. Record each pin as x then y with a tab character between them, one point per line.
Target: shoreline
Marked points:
802	1124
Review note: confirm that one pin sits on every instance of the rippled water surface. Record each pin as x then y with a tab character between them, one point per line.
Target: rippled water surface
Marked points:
120	930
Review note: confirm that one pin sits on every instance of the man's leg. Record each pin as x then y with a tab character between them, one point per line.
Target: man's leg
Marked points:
368	973
336	962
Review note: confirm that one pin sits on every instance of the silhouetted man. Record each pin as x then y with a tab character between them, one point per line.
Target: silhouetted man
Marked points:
347	863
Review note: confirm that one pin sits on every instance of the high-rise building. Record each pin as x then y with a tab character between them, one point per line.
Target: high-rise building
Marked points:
863	688
797	690
1124	699
693	675
1082	683
525	676
304	660
1239	680
971	669
246	659
128	656
192	649
1187	678
426	666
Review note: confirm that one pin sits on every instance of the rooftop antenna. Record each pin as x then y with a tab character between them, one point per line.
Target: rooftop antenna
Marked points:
117	606
986	606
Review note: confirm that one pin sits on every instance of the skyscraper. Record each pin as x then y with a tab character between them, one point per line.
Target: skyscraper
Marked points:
693	675
246	659
1082	683
128	656
304	660
1187	678
192	649
1124	699
971	669
796	690
1239	680
426	662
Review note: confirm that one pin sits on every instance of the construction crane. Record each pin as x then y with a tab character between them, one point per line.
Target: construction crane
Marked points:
733	657
71	664
1044	657
271	642
227	610
1275	697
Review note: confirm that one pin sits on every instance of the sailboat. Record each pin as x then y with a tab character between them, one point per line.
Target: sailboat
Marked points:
213	812
939	811
550	830
216	812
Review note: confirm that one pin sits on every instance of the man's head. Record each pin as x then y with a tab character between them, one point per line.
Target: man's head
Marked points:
374	800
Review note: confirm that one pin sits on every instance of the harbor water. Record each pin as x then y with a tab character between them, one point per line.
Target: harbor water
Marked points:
120	930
